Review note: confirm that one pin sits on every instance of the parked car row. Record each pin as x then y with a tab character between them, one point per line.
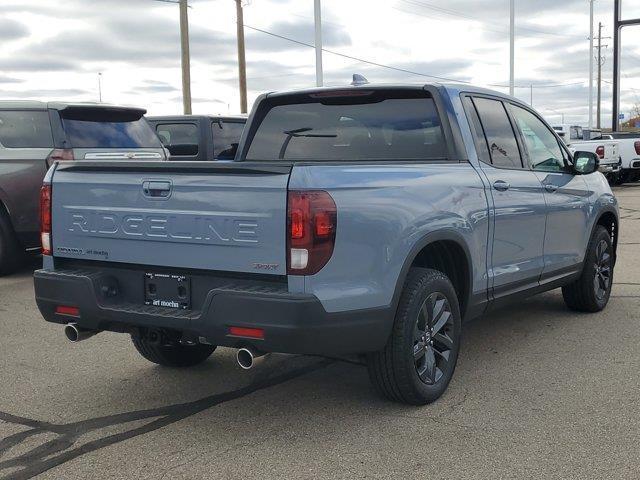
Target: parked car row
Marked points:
367	220
619	152
34	135
629	146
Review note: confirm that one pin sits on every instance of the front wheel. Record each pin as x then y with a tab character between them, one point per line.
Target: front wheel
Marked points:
418	362
172	354
591	292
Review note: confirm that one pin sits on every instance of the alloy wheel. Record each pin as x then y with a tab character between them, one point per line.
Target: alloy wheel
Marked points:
602	277
433	344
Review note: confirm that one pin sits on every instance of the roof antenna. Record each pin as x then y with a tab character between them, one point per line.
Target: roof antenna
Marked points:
359	80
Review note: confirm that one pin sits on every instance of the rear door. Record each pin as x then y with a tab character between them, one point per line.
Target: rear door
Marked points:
519	214
230	217
25	144
107	133
566	195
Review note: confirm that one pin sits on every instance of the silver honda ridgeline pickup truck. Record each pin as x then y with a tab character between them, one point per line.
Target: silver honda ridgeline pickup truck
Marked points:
366	220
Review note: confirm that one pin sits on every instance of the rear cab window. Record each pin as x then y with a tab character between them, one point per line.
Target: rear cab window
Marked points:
25	129
181	139
107	128
350	125
226	137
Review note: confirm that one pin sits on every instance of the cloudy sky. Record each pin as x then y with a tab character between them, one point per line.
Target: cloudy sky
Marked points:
54	49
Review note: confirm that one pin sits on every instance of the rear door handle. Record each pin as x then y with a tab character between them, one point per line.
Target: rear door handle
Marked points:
501	185
551	188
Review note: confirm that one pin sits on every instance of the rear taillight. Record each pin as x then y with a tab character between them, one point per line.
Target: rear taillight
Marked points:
600	152
45	219
311	231
637	147
60	155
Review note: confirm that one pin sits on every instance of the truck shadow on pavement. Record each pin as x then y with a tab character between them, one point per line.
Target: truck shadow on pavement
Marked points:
65	445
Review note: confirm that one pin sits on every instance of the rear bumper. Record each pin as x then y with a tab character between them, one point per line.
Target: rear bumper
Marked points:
610	168
292	323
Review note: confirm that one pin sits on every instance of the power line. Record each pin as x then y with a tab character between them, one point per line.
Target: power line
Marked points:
455	13
556	85
398	69
357	59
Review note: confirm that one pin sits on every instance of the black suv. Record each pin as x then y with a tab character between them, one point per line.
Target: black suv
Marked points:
199	137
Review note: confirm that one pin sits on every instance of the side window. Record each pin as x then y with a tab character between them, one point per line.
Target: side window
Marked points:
181	139
501	139
25	129
476	130
544	151
226	136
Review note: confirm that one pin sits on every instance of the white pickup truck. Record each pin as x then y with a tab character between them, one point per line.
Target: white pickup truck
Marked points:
629	147
608	152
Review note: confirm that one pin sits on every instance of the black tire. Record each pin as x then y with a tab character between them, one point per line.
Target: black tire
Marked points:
11	253
173	355
618	180
399	372
591	292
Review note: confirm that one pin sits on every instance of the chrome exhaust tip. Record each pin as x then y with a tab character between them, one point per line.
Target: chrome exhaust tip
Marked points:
248	357
76	334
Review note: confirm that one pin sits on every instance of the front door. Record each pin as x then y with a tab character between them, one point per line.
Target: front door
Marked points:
566	194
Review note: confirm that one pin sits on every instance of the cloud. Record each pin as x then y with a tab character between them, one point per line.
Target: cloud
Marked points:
35	63
6	79
11	30
48	93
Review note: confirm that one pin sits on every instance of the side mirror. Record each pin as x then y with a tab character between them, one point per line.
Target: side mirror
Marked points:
585	163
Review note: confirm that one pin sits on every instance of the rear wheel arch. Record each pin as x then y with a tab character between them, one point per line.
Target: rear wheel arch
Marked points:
609	220
445	251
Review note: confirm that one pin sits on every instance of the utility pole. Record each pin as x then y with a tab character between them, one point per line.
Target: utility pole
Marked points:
600	62
242	65
317	11
531	102
186	65
591	64
512	48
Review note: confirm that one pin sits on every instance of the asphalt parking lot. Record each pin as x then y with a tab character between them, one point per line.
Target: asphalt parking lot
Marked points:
540	392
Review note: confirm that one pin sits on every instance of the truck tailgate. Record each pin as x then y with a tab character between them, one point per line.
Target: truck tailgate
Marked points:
611	152
227	217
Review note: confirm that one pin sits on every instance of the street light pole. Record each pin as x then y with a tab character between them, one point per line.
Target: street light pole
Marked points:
512	48
99	87
600	62
186	64
242	64
591	64
317	10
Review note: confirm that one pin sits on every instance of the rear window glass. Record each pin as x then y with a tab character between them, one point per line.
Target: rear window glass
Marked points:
95	129
179	138
25	129
351	128
226	136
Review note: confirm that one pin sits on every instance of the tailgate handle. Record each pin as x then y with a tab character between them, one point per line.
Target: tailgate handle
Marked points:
156	189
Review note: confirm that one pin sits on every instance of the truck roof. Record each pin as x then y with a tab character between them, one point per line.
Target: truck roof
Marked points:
39	105
196	117
452	88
